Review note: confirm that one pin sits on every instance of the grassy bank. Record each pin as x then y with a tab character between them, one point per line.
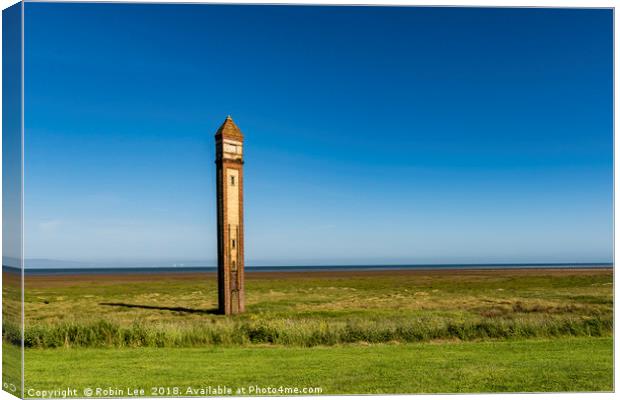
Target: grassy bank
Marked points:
307	333
571	364
311	309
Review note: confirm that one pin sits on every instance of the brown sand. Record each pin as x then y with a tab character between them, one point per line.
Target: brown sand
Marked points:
72	279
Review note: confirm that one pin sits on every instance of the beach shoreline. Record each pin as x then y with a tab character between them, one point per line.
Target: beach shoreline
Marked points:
73	278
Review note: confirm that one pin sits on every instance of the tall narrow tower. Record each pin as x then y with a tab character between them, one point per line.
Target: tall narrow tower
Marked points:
230	274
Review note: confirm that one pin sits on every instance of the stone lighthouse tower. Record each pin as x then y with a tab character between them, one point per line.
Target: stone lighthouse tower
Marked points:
229	162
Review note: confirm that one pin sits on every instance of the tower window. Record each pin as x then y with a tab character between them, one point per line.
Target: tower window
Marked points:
232	180
233	243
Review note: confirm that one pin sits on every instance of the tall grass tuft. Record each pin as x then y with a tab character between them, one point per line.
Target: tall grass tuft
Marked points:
299	332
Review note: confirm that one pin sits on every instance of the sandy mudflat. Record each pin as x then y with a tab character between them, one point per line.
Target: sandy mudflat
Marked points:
71	279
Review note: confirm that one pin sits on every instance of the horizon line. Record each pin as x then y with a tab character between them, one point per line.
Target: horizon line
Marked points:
349	265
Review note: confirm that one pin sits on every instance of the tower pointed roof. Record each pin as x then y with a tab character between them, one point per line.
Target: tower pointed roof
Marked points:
229	130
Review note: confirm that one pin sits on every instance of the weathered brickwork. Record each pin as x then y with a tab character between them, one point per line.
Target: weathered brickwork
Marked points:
230	256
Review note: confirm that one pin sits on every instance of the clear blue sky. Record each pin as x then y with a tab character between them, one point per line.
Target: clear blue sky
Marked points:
373	135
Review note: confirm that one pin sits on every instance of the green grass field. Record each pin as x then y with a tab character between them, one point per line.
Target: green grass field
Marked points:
568	364
347	332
